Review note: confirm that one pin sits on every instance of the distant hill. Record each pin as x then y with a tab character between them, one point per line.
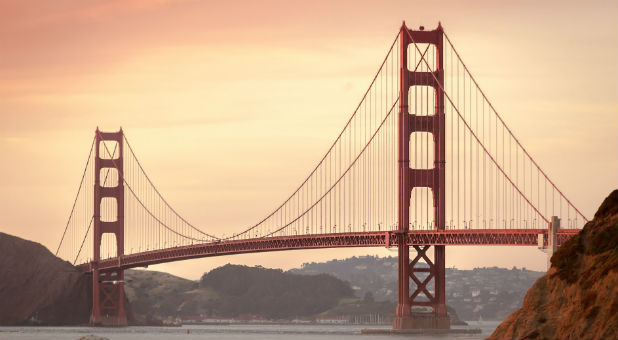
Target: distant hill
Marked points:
578	297
154	295
231	291
491	293
332	288
272	292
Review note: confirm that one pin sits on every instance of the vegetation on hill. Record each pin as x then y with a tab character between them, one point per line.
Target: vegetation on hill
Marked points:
153	294
578	297
273	293
231	291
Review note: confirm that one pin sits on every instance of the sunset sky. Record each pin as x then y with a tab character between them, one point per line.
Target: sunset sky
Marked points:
217	97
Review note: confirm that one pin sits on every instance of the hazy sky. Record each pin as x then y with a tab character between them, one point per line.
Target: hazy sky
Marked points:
216	97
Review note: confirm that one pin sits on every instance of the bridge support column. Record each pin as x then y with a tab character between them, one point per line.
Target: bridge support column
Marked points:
552	231
108	286
402	314
108	299
406	317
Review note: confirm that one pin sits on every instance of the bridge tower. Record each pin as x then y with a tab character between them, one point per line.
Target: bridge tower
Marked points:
108	286
416	178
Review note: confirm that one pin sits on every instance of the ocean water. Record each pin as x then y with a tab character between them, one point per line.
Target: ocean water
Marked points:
260	332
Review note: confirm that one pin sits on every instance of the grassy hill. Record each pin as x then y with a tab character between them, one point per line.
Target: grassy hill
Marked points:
230	291
154	295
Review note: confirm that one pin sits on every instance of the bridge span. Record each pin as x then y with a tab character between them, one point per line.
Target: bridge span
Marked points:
424	161
490	237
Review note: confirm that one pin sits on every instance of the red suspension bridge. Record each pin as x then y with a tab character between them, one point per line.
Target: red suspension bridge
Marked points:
424	161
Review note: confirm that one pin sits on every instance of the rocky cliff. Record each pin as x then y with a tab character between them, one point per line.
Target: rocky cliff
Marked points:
578	297
37	287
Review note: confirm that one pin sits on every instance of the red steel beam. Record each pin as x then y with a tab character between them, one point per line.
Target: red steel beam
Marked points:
482	237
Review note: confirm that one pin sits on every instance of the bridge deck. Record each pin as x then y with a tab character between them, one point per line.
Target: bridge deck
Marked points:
487	237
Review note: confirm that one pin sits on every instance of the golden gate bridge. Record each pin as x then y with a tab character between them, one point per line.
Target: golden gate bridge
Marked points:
424	161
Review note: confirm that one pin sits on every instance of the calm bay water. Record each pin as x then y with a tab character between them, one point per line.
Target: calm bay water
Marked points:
260	332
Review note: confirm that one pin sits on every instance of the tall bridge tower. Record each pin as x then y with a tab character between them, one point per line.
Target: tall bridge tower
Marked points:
108	286
409	179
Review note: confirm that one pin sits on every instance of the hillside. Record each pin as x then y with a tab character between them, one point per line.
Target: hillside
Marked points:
491	293
578	297
273	293
231	291
155	295
37	287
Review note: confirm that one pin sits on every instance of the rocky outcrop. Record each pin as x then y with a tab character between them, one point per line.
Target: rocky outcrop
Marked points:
578	297
37	287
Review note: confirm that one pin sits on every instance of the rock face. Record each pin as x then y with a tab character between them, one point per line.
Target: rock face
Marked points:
37	287
578	297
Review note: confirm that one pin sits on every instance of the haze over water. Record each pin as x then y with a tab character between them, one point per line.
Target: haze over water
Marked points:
237	332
